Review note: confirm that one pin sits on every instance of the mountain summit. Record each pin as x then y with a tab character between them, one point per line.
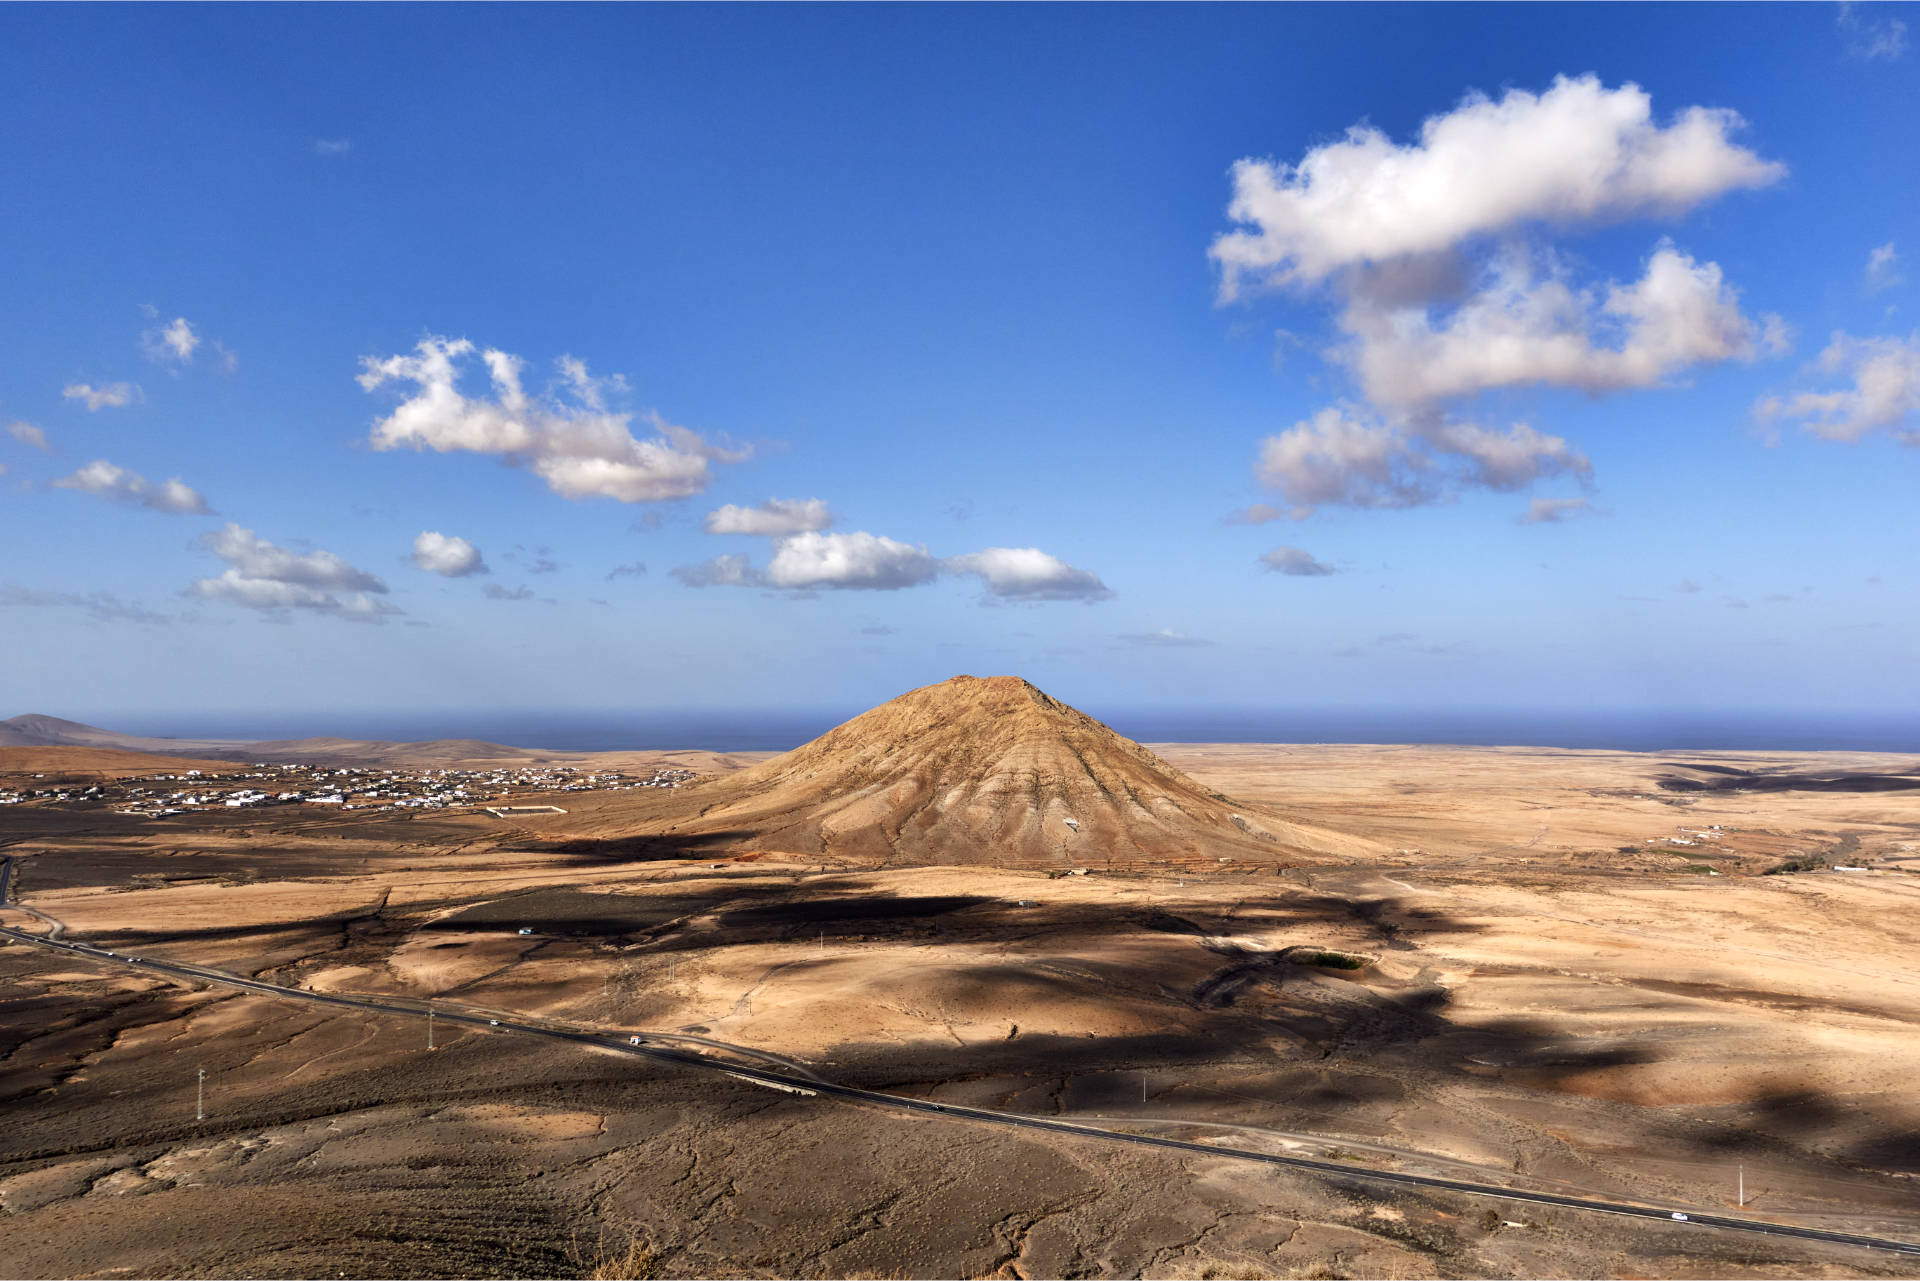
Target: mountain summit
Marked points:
984	771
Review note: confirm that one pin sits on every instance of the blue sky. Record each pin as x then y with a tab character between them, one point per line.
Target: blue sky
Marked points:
975	279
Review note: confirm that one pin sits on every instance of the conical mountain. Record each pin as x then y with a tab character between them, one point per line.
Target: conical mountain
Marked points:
984	771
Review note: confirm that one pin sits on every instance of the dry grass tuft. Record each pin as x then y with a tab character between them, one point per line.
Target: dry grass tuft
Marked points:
633	1259
1319	1271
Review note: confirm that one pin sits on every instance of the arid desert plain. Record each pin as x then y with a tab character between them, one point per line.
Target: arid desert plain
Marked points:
1573	972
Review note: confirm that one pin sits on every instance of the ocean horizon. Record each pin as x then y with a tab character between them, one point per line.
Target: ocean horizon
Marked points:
738	731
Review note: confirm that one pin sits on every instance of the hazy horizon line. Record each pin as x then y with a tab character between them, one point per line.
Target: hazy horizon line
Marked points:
1615	728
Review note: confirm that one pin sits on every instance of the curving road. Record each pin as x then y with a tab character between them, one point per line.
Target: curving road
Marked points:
648	1047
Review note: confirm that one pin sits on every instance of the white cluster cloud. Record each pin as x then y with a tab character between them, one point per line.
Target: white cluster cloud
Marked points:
1296	563
28	434
570	439
1029	574
116	484
1342	458
1442	296
111	396
262	576
812	561
447	555
1338	459
1507	460
860	561
774	518
1519	329
1578	153
1884	395
856	560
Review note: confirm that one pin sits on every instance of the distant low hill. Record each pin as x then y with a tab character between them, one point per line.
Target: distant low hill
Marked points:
47	732
51	731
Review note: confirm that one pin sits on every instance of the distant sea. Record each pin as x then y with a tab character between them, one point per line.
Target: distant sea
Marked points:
776	731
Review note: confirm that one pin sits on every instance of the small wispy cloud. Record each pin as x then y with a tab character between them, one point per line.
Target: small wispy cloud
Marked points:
1874	39
109	396
632	569
1259	514
1883	268
1165	638
1884	395
332	146
1551	511
28	434
172	343
1296	563
730	570
100	606
1401	642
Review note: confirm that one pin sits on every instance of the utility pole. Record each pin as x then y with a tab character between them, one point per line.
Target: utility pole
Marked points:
823	942
1143	1087
1743	1187
200	1097
429	1027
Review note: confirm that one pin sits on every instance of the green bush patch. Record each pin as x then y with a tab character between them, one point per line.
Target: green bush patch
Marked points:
1327	958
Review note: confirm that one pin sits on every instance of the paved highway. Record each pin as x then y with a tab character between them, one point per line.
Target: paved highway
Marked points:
794	1083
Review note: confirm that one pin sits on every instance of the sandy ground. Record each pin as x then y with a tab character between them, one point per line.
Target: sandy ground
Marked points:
1550	998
